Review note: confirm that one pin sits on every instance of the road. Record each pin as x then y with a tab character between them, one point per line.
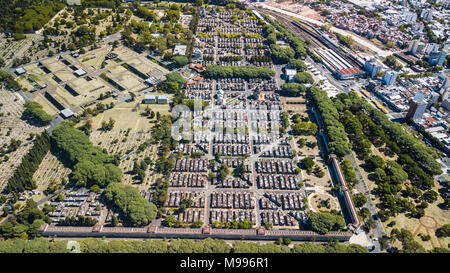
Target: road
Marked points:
361	186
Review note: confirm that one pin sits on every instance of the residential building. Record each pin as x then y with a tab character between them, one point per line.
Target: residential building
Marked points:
409	17
416	47
373	67
426	14
417	109
438	58
390	77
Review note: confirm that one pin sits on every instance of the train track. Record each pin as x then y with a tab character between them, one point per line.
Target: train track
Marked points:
315	43
304	32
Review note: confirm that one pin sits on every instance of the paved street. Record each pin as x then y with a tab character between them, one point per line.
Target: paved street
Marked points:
378	231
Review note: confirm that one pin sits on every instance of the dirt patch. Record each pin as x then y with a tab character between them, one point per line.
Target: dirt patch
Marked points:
323	202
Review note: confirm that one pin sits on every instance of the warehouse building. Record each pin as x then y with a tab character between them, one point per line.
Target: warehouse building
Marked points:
341	68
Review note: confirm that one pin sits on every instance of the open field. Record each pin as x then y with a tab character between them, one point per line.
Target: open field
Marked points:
47	106
124	118
315	199
127	115
434	216
324	181
307	151
299	9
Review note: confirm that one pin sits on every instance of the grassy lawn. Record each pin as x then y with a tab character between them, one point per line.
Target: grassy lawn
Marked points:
124	118
424	225
47	106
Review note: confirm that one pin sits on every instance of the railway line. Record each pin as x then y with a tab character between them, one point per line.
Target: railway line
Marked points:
297	29
315	36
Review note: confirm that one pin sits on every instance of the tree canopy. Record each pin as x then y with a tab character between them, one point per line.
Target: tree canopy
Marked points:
134	209
209	245
322	222
298	64
91	164
35	112
338	143
303	77
217	71
292	89
29	15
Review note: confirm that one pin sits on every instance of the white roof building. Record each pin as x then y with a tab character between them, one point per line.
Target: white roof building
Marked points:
74	2
162	99
80	72
67	113
20	71
180	50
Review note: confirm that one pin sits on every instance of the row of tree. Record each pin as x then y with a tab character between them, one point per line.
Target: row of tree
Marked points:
94	245
22	178
296	44
217	71
82	221
292	89
338	143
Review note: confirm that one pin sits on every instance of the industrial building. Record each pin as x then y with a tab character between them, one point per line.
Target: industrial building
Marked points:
289	74
341	68
149	99
20	71
67	113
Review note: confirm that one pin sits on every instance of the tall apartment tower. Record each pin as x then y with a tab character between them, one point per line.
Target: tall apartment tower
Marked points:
390	77
372	67
416	47
438	58
417	109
